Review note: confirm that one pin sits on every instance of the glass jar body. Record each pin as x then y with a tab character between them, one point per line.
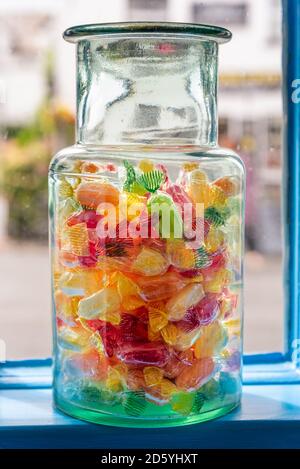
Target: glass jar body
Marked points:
147	283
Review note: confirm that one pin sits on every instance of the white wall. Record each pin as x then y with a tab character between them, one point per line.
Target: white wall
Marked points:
248	52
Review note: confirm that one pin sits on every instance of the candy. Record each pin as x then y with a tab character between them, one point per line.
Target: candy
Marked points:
230	383
146	308
153	375
91	194
132	302
162	207
78	238
151	180
202	314
135	379
74	338
150	263
214	239
89	217
194	376
126	286
132	329
114	381
177	363
80	283
230	185
149	353
186	340
179	255
188	296
157	319
100	304
135	403
159	288
67	207
215	281
169	334
66	307
212	340
146	166
65	189
182	403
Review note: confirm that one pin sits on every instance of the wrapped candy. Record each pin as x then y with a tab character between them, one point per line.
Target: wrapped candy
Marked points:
187	297
147	318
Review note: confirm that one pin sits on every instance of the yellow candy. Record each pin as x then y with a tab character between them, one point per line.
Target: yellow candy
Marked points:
198	188
67	208
183	403
78	238
214	239
153	375
126	286
115	380
185	340
179	255
146	166
167	388
198	176
66	307
101	304
188	167
132	302
80	283
157	319
76	336
211	341
188	296
201	192
233	326
216	196
169	334
216	283
153	336
150	262
65	189
131	206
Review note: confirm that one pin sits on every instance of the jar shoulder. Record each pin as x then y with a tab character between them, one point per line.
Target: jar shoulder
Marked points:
67	159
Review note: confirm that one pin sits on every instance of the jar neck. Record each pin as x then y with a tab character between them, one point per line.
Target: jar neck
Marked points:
147	90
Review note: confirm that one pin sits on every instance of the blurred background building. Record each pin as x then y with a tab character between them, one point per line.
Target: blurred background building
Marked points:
37	105
250	77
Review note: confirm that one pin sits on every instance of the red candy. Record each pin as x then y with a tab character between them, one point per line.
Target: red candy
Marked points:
204	313
90	217
133	329
109	334
149	353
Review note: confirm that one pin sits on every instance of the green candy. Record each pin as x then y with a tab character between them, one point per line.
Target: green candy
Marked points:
201	258
131	184
217	216
135	403
170	220
199	401
152	180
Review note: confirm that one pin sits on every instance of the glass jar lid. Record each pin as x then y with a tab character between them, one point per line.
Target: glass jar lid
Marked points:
184	30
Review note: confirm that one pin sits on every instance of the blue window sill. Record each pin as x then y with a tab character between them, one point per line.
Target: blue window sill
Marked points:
269	417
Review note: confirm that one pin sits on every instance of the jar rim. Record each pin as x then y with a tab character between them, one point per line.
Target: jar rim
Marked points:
149	29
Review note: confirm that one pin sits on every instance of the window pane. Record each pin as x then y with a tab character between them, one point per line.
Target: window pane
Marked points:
37	117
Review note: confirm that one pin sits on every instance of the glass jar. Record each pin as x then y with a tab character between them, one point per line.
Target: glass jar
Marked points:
147	233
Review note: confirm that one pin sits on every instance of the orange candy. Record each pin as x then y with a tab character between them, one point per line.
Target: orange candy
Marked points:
91	194
194	376
230	185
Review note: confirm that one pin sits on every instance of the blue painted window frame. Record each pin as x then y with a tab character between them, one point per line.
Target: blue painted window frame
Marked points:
269	368
285	366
